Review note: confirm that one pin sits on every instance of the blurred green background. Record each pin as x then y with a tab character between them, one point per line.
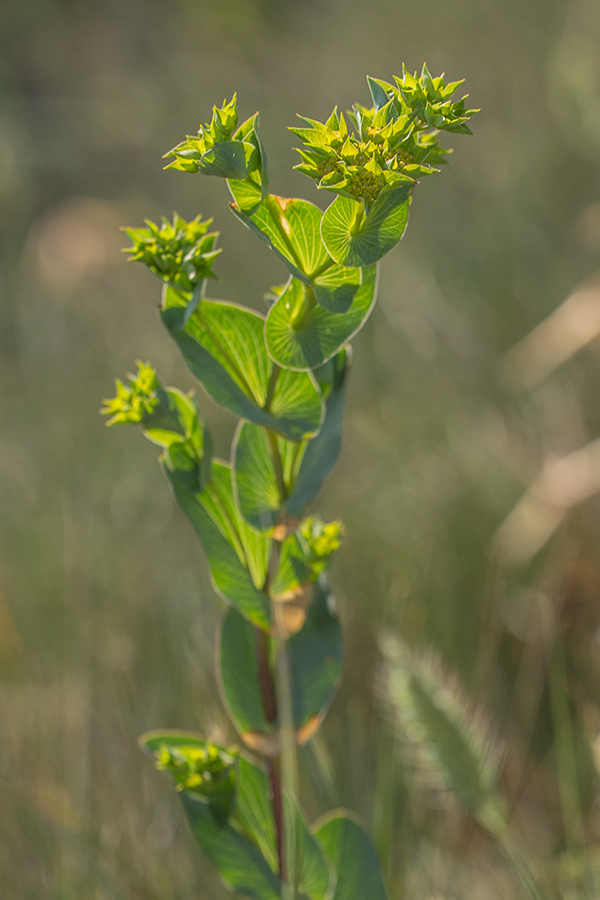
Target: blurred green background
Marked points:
469	476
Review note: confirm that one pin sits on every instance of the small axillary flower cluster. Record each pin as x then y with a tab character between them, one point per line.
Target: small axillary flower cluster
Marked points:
135	401
322	540
396	140
179	252
222	128
206	771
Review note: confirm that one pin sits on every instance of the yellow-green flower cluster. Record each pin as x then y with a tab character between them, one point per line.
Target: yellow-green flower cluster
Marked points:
222	127
134	401
206	771
178	252
395	140
322	540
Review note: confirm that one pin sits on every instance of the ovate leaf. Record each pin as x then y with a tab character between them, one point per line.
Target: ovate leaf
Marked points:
315	661
347	846
237	555
354	238
256	483
239	673
304	340
239	861
322	452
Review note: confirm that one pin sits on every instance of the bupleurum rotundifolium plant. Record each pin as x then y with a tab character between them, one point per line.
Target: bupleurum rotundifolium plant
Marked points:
283	374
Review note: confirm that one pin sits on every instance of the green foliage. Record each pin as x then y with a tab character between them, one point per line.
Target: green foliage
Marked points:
280	650
346	844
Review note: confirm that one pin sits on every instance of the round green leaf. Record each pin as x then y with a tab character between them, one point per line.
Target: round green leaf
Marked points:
239	678
355	239
336	288
304	340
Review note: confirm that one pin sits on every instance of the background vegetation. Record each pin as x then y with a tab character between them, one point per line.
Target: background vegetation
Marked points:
469	476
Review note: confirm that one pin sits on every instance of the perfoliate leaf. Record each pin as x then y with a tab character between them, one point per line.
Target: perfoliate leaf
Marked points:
224	347
355	239
300	336
265	468
336	288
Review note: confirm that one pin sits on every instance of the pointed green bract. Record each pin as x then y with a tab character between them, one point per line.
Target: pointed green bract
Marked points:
224	347
347	846
170	419
356	239
305	339
231	159
179	252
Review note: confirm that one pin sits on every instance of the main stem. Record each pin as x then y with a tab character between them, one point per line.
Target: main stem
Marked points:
269	698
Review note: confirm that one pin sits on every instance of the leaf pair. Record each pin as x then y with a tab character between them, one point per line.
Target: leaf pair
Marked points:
224	347
315	655
326	251
337	860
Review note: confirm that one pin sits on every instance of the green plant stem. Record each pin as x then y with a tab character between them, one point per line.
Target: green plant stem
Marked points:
307	307
278	466
274	769
289	775
271	387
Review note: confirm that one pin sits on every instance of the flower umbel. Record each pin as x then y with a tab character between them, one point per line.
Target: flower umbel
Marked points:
395	140
136	400
178	252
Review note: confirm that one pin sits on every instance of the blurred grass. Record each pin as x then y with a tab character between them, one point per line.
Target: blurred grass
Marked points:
106	614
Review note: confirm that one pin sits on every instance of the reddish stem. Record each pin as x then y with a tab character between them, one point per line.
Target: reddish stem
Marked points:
269	699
